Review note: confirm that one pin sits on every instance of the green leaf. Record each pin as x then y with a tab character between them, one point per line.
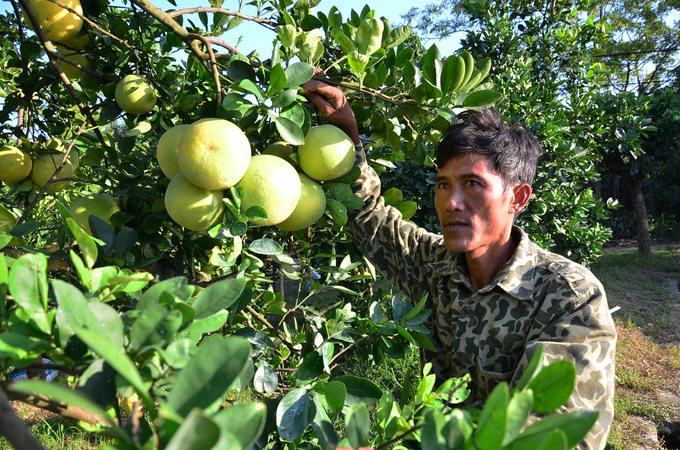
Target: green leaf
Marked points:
197	432
357	424
338	211
176	286
574	425
519	409
154	326
557	440
289	130
241	70
293	414
30	50
255	213
553	386
311	367
245	421
328	438
533	369
346	44
277	78
335	393
297	74
339	191
218	296
4	276
69	397
72	310
250	86
265	379
28	282
125	241
397	36
265	246
481	98
491	425
86	244
209	374
117	358
393	197
359	390
407	209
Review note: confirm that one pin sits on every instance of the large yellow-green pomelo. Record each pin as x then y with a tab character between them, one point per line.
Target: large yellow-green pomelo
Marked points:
59	24
327	154
100	205
15	165
80	41
72	72
193	207
43	169
166	152
213	154
282	149
7	219
309	208
135	95
272	184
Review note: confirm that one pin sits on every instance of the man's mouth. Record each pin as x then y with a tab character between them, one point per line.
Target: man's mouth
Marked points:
455	225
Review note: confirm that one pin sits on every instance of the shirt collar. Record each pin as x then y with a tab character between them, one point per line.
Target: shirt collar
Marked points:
515	278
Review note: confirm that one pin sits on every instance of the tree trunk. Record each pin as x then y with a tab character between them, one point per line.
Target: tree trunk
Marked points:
644	241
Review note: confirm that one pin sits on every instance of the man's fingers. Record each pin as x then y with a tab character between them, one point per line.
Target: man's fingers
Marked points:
321	103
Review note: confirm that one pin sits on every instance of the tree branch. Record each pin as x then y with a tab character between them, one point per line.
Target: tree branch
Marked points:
266	323
264	22
70	411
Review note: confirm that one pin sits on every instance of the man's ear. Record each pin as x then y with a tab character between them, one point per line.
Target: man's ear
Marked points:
520	197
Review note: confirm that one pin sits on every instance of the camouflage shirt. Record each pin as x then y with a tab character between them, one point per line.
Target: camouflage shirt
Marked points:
537	298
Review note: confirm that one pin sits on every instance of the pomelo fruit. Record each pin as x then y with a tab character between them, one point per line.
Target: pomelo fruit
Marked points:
43	169
282	149
59	24
327	154
15	165
101	205
309	208
72	72
7	221
191	206
80	41
213	154
166	152
135	95
272	184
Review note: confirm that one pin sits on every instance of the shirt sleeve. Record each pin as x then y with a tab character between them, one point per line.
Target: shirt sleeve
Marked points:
574	324
399	249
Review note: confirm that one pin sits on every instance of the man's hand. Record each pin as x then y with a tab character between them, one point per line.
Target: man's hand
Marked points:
333	106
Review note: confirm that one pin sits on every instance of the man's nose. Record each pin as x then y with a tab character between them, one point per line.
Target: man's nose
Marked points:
454	200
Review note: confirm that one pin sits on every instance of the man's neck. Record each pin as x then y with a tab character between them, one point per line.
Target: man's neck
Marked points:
485	266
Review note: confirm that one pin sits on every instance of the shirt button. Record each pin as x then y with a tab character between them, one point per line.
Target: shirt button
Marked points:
466	311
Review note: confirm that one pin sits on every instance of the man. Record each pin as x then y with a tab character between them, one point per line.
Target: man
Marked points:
495	296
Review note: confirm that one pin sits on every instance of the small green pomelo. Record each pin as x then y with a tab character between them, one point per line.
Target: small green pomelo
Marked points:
166	152
213	154
282	149
43	169
15	165
309	208
191	206
135	95
101	205
272	184
328	153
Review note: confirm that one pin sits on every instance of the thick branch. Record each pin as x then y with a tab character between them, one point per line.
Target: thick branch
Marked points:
14	429
70	411
264	22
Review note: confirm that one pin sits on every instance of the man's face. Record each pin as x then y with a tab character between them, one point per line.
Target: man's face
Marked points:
475	213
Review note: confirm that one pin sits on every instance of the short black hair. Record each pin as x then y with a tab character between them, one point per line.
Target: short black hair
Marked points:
512	150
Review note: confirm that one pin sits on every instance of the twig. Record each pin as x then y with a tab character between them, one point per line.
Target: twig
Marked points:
83	68
263	22
14	429
264	322
215	71
84	180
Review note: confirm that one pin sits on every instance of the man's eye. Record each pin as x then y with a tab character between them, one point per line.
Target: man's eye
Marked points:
471	183
443	186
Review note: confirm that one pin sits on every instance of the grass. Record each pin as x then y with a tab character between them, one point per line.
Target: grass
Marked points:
53	431
648	349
